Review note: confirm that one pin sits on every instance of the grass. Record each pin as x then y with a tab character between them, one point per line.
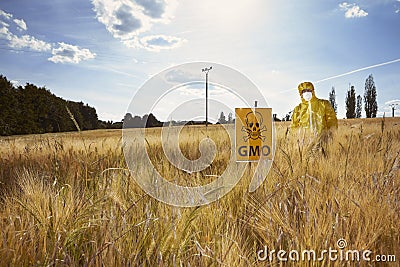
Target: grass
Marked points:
68	199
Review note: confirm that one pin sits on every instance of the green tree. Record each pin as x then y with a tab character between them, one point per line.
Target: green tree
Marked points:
222	118
358	106
31	109
370	104
8	102
230	117
151	121
332	99
351	103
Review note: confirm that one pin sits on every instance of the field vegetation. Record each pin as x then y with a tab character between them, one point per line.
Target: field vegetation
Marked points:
69	199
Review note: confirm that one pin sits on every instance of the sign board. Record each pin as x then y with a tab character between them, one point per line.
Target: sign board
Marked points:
253	134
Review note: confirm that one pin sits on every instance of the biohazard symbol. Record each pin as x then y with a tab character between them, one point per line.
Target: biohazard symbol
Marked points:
254	127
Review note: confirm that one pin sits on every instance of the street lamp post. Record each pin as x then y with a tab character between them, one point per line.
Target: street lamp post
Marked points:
393	106
206	70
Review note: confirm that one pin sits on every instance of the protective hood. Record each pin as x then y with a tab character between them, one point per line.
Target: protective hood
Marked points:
306	85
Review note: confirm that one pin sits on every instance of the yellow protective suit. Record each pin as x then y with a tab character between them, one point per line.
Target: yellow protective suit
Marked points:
316	115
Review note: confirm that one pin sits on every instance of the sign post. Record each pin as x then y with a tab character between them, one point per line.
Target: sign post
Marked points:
253	134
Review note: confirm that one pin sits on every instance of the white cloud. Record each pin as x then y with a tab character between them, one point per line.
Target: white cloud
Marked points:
352	10
27	41
393	102
15	83
387	109
123	19
21	24
388	113
156	43
66	53
275	72
24	41
110	116
5	15
177	76
126	20
4	32
190	90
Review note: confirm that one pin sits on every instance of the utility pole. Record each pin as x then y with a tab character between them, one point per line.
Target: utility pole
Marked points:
394	105
206	70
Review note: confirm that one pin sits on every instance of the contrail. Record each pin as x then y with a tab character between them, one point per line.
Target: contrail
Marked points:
348	73
358	70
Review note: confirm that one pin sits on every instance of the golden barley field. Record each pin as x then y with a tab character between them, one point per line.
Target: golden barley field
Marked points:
69	200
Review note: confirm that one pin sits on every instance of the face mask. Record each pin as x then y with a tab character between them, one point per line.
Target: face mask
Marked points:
307	96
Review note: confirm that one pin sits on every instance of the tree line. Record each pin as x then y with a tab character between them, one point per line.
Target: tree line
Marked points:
30	109
149	120
354	103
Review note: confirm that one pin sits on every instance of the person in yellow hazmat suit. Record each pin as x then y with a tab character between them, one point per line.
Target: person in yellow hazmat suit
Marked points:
314	114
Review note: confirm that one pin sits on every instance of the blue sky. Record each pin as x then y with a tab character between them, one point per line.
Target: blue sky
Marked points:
101	51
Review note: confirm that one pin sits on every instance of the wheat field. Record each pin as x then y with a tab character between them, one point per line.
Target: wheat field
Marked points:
69	199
